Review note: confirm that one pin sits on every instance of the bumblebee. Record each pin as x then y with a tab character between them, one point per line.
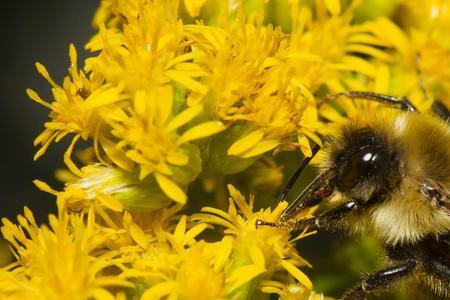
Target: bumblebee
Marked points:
390	174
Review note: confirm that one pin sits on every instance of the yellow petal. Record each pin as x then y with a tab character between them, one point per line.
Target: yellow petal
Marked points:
369	50
184	117
117	155
160	290
191	69
304	145
103	97
170	188
140	102
305	56
257	256
145	170
315	138
166	105
193	6
99	293
260	148
333	6
164	40
45	187
180	229
73	55
110	202
270	62
357	64
192	233
177	159
112	281
391	32
68	160
187	81
43	71
202	130
271	290
365	38
34	96
185	57
382	79
47	143
243	275
138	235
223	252
246	142
331	114
164	168
299	275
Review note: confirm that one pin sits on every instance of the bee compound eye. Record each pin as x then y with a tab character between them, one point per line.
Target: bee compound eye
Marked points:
359	165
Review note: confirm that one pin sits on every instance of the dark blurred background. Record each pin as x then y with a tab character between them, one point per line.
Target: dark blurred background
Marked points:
34	31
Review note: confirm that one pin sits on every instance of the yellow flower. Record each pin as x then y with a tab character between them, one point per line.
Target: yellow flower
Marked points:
134	110
109	187
75	108
173	263
258	253
250	83
169	261
331	48
291	291
428	14
419	57
429	23
194	6
147	49
434	66
148	136
149	57
167	105
64	261
192	272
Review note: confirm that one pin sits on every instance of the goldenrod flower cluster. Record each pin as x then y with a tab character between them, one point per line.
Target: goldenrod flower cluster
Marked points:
179	96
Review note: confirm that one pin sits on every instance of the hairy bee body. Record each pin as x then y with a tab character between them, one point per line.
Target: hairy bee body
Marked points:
406	201
388	173
413	188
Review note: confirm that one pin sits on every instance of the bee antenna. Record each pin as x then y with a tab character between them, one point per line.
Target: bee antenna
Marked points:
297	173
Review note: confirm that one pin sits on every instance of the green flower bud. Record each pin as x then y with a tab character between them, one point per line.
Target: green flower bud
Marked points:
132	193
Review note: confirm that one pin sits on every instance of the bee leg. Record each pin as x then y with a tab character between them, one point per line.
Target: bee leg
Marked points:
441	274
328	217
400	103
379	280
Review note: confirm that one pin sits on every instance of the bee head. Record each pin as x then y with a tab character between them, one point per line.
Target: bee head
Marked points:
361	162
359	165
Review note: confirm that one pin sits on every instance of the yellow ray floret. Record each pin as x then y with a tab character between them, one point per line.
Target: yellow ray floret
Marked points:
76	105
264	249
148	135
64	261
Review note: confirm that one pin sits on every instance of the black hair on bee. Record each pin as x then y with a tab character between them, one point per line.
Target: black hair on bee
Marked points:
388	173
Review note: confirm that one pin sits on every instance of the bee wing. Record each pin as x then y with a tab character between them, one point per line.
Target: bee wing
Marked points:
435	193
439	249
